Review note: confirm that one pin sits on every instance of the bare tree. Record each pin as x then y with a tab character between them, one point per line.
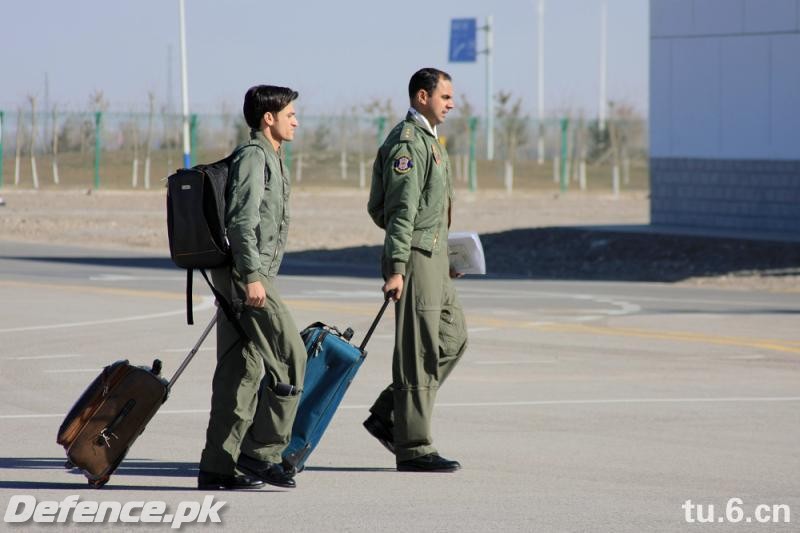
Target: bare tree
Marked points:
625	127
34	174
382	113
148	143
133	133
459	144
55	145
229	129
18	146
512	124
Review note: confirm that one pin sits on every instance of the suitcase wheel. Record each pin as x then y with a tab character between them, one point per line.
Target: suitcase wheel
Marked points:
98	483
290	468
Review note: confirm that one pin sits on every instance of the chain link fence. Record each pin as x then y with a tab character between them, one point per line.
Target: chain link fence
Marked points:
137	150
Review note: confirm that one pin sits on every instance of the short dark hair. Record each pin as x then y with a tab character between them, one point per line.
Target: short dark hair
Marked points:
262	99
426	78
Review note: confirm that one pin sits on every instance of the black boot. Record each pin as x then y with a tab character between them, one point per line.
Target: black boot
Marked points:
214	481
433	462
272	473
380	430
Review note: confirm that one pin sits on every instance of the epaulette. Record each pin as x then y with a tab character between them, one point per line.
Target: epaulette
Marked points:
407	135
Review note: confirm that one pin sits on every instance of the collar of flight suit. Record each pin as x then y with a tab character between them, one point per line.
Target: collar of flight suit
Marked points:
265	143
422	121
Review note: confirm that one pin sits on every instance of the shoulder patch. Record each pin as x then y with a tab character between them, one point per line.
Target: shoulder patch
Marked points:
403	164
408	133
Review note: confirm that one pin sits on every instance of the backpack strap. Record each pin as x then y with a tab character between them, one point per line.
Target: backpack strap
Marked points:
230	311
252	143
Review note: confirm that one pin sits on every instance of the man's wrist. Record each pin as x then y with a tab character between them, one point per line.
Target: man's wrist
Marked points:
399	268
251	277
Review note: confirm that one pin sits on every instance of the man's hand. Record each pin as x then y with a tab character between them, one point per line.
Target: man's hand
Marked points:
394	283
255	294
455	275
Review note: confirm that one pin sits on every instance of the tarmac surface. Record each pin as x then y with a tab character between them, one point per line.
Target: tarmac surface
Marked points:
579	406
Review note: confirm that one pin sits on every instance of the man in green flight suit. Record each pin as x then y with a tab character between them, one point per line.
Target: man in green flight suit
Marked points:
411	199
251	418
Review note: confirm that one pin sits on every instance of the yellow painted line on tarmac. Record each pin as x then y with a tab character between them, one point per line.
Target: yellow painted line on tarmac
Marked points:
371	309
681	336
483	320
684	336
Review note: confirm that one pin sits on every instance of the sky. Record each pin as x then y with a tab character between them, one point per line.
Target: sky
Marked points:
336	54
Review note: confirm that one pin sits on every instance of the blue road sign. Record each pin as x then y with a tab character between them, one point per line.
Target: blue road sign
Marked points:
463	41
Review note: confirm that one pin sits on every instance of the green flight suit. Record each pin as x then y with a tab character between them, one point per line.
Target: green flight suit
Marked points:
410	197
247	415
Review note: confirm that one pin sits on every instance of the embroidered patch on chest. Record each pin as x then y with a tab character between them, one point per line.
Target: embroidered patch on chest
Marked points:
437	156
403	164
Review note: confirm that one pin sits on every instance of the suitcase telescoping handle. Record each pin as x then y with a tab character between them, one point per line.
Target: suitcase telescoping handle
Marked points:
193	351
377	319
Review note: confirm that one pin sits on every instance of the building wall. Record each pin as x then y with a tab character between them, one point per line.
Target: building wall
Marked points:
725	114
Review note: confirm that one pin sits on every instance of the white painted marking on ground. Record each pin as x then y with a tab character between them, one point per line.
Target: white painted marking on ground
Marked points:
37	357
742	399
123	277
511	362
71	370
606	401
340	295
208	303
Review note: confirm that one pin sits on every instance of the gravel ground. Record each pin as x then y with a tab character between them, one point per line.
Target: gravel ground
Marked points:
536	235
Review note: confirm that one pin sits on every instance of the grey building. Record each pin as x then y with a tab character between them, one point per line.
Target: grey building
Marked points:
725	115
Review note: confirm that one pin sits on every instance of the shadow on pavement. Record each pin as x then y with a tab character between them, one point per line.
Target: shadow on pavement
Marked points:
49	485
130	467
346	469
134	467
553	253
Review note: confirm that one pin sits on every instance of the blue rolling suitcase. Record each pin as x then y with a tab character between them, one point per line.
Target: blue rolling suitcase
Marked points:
332	364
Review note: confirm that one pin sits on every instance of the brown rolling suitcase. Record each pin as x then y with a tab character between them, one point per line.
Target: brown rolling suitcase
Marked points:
112	412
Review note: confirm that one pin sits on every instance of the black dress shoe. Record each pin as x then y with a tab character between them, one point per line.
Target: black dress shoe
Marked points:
433	462
381	431
272	473
214	481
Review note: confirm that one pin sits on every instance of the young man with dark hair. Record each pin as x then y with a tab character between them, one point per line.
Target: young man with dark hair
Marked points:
251	418
411	199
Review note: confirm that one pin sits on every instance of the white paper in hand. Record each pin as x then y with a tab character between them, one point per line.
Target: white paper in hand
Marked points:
466	253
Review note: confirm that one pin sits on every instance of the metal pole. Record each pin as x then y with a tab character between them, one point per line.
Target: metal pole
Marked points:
601	112
192	138
184	89
541	83
381	123
563	166
489	91
473	171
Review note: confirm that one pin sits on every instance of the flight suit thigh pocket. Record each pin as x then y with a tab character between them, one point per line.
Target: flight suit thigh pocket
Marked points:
427	345
452	331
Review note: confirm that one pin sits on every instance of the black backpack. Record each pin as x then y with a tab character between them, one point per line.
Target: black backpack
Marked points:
196	223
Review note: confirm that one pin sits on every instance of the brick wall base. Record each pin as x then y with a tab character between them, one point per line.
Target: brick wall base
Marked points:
724	194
